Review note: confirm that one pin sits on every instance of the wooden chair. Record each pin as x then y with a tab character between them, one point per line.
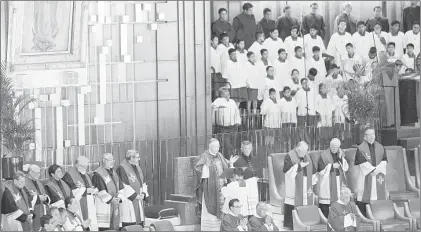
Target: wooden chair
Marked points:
389	216
398	179
367	224
276	181
308	218
412	210
164	225
132	228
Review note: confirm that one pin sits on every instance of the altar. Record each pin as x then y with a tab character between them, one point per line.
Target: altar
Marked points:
409	98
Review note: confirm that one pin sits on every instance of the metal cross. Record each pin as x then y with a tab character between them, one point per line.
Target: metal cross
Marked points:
380	179
345	213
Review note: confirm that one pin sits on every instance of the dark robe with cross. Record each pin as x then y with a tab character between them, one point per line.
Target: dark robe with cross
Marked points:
337	214
58	191
16	206
368	157
40	207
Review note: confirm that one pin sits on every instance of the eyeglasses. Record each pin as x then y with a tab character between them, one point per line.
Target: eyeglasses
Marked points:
136	157
237	206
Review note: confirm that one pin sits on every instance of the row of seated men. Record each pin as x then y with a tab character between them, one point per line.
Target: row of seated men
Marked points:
110	199
319	182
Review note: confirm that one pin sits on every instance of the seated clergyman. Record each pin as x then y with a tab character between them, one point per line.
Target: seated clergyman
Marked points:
234	221
263	220
343	214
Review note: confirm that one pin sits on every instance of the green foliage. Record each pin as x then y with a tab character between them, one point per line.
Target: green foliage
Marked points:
366	92
16	132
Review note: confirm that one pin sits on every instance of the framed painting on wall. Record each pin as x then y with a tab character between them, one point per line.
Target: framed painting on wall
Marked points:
47	35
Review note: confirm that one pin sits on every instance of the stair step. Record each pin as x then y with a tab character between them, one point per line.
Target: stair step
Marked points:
409	143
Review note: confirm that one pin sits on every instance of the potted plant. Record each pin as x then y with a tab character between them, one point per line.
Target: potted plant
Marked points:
16	132
365	94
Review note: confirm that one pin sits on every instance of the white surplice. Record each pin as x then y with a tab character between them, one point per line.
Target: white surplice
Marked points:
410	37
302	97
215	59
319	65
290	45
309	43
399	41
379	45
223	54
235	74
273	46
288	110
365	169
362	44
271	112
337	47
325	107
282	72
256	47
300	65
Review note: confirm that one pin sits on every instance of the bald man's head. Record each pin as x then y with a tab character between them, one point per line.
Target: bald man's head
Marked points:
302	148
335	144
346	194
262	209
34	171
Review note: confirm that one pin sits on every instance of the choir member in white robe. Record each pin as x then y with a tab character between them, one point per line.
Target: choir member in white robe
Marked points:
17	205
35	187
269	83
111	194
262	220
371	159
131	175
311	40
336	47
238	189
362	40
254	80
343	214
235	75
271	110
222	50
282	69
294	83
316	61
241	51
210	166
408	59
81	185
413	37
340	100
273	44
312	81
293	41
397	37
380	38
331	167
298	62
350	61
370	60
300	176
234	221
306	114
334	78
263	63
391	53
324	107
288	106
215	57
257	46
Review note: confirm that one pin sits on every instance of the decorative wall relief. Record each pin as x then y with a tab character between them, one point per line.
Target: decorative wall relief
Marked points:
47	35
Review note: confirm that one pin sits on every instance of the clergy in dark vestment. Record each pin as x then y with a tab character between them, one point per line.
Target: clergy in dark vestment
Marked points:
222	25
314	18
285	23
350	20
234	221
81	185
411	14
371	159
132	177
331	167
266	23
16	205
245	26
343	214
36	188
46	223
110	194
299	180
56	188
263	220
384	22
